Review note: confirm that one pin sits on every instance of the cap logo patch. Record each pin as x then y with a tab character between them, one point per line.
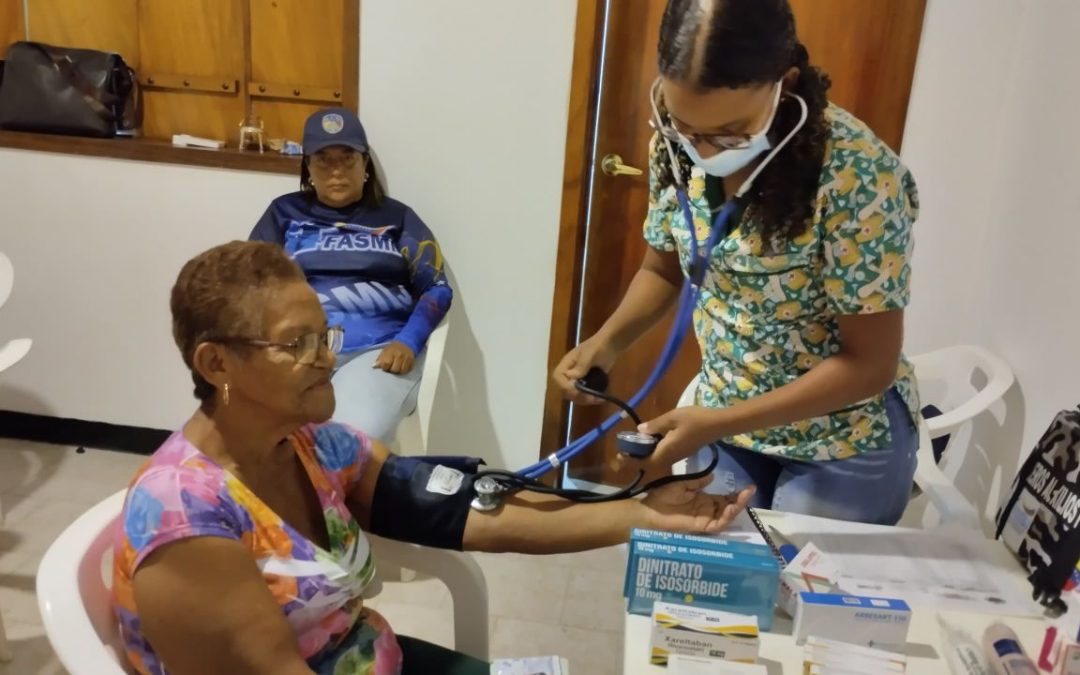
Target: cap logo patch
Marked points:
332	123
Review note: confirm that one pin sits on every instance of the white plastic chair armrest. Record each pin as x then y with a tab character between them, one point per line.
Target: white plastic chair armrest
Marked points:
461	574
952	507
13	352
689	395
70	628
686	399
425	400
5	649
1000	379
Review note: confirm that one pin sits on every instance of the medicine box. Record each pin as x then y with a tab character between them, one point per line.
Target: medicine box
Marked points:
699	665
826	656
701	632
881	623
730	576
811	571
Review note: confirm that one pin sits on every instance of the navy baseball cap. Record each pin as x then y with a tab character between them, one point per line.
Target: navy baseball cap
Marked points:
334	126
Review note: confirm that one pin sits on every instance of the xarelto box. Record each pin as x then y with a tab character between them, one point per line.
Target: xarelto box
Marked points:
697	631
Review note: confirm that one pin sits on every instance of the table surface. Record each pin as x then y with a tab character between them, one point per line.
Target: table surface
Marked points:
780	655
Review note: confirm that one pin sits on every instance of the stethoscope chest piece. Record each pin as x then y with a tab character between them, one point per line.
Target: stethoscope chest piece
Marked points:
636	443
489	493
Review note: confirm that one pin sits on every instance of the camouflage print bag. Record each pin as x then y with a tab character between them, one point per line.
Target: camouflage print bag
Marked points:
1040	520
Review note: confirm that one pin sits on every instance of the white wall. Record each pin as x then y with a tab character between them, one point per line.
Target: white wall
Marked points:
992	138
466	106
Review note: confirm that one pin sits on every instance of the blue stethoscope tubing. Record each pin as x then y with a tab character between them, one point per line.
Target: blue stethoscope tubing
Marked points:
684	314
683	318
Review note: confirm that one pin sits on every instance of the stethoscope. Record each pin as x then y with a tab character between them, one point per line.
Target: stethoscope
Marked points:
491	485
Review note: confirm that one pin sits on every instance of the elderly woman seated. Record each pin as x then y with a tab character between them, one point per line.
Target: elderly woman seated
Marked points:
243	546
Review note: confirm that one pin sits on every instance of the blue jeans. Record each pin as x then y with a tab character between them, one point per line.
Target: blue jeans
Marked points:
872	487
373	400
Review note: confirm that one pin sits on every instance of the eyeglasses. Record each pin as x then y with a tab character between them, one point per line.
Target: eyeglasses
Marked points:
346	160
305	349
674	134
716	141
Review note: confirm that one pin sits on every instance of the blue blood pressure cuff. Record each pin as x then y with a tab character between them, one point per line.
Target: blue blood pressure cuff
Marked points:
424	500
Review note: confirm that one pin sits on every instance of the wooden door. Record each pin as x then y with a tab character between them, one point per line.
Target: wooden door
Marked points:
868	48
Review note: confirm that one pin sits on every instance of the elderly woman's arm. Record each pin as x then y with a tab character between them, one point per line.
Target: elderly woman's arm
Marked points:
206	609
534	523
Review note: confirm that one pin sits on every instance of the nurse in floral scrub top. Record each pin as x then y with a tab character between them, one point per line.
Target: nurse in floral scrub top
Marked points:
803	388
243	549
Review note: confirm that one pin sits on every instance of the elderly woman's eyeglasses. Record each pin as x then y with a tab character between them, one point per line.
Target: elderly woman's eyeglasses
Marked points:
305	349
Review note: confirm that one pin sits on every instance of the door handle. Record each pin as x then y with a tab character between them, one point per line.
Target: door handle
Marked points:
612	165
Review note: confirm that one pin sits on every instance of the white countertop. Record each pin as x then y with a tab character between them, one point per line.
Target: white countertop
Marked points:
781	655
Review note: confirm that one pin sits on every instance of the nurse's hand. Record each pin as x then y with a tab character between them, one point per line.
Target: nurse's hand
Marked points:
683	507
396	358
685	431
592	353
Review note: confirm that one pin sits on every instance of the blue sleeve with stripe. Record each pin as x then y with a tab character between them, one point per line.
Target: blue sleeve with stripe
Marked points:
428	282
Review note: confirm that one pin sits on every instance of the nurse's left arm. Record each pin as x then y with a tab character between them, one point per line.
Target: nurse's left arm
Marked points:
865	366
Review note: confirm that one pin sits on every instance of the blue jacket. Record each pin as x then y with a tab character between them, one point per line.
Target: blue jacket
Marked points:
378	272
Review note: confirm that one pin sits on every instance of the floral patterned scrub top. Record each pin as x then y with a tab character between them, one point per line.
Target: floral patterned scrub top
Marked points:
181	493
764	317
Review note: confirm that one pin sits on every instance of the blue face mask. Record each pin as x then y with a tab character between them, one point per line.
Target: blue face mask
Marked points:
728	162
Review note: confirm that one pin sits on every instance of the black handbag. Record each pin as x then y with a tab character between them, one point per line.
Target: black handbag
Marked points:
77	92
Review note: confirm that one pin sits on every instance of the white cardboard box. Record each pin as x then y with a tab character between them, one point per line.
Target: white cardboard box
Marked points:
881	623
701	632
699	665
811	570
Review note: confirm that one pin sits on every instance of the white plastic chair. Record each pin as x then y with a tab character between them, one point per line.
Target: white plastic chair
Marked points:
948	379
10	354
413	431
14	350
686	399
75	579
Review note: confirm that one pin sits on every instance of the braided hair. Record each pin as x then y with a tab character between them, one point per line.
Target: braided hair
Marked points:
711	44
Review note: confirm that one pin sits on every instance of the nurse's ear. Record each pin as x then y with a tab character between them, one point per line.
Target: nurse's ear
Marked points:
791	78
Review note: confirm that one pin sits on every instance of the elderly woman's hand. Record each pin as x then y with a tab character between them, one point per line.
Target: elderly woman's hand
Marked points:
396	358
683	507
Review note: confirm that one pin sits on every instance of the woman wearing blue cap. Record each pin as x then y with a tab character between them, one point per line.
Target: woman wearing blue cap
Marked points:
375	266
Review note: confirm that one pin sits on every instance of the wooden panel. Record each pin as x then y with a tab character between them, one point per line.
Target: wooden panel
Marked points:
12	24
350	54
218	48
216	85
199	39
297	42
108	25
208	115
296	92
284	119
869	50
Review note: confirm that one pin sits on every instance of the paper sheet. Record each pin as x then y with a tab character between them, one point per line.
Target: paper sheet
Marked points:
742	529
537	665
947	571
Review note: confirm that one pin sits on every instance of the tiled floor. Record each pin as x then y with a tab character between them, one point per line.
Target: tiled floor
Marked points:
566	604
